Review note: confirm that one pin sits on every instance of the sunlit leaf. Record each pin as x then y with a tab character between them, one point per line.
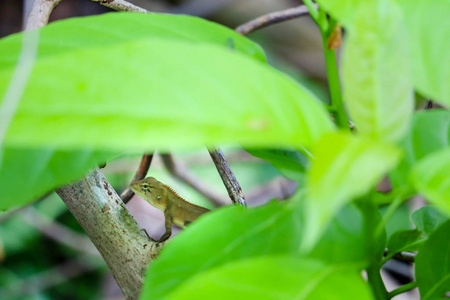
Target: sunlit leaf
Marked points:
429	39
377	87
276	278
431	177
344	168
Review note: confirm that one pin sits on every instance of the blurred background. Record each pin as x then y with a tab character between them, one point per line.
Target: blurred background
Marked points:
44	254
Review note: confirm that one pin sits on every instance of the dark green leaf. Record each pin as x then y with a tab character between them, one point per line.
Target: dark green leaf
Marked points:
344	239
429	132
276	278
428	218
26	175
290	163
432	264
404	240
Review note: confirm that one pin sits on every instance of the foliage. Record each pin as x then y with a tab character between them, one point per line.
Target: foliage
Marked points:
181	82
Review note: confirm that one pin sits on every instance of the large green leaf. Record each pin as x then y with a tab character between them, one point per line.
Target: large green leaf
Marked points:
429	37
377	87
431	177
110	29
344	168
170	82
432	264
280	278
145	94
233	234
429	132
26	174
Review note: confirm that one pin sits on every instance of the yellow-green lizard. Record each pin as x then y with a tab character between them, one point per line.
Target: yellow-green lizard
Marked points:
176	210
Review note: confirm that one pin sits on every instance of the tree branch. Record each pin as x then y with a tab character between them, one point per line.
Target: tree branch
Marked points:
272	18
142	170
121	5
123	245
229	180
182	173
40	13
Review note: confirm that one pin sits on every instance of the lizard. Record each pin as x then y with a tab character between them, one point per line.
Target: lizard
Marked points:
176	210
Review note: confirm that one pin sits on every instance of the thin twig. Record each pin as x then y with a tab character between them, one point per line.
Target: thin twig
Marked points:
229	180
182	173
146	160
403	256
121	5
58	232
272	18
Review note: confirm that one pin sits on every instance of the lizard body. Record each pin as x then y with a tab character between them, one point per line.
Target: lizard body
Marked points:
176	210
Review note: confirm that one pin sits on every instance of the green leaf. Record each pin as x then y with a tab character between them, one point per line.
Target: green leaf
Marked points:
233	234
428	218
404	240
132	89
429	132
429	37
221	237
275	278
344	168
432	264
377	89
26	174
344	239
160	99
431	177
290	162
111	29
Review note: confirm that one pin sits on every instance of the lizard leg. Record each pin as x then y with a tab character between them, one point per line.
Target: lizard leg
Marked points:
168	224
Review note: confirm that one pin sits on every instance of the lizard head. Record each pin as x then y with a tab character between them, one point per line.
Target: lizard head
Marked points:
148	189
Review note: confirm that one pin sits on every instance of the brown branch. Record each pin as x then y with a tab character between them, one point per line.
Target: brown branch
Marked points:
272	18
40	13
105	218
229	180
142	170
182	173
121	5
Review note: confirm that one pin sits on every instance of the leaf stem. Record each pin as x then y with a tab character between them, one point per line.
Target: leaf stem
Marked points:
376	282
312	9
334	85
403	289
